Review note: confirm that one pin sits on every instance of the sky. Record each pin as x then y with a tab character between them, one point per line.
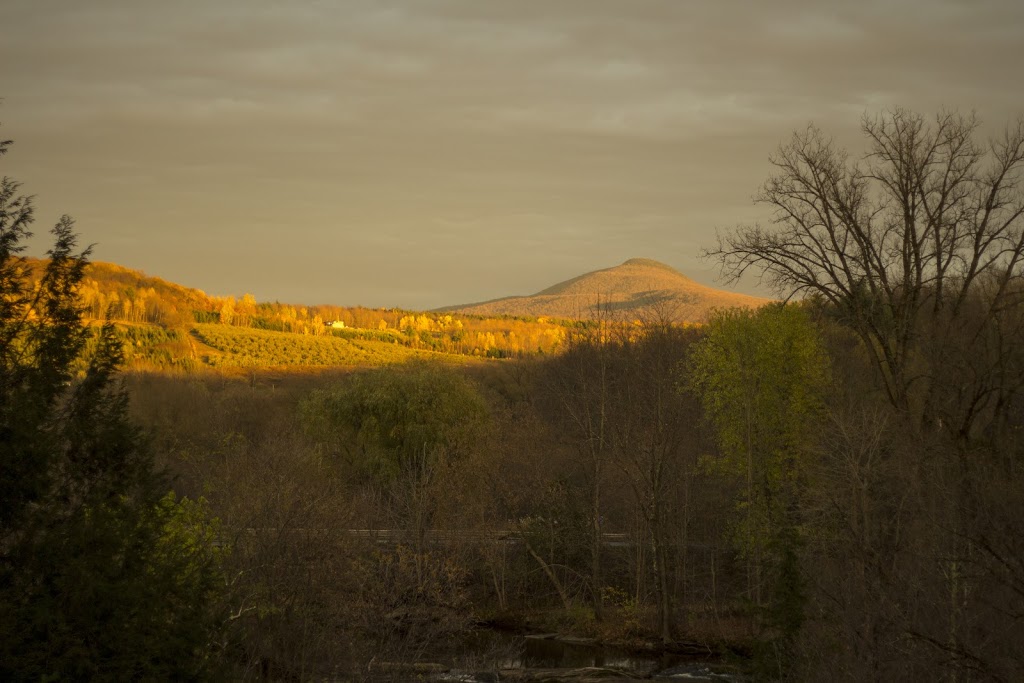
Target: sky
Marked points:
433	152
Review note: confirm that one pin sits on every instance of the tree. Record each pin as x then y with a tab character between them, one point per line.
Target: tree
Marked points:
921	233
400	429
402	434
656	436
918	249
101	575
578	387
761	376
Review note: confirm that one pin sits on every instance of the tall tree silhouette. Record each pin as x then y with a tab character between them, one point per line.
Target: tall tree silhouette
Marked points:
102	575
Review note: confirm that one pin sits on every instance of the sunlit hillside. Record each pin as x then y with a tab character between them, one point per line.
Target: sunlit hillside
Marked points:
166	326
641	289
247	347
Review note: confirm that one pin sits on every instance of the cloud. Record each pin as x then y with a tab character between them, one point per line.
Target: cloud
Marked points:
506	122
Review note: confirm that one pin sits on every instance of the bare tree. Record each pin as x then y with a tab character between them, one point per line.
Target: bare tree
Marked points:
918	249
655	446
926	220
579	386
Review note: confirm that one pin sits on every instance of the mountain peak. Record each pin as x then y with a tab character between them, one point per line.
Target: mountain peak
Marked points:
648	263
639	288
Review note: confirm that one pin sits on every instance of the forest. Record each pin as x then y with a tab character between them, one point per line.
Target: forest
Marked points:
829	487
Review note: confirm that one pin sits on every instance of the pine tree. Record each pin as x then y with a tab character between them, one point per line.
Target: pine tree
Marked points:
103	575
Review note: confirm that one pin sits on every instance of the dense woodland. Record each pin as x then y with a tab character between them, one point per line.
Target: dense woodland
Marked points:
826	489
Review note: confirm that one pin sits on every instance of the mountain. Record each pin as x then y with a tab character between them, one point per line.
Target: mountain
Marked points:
640	289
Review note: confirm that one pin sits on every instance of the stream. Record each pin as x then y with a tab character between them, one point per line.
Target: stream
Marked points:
491	656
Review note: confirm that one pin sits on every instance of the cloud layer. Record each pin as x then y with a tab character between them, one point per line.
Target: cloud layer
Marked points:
432	151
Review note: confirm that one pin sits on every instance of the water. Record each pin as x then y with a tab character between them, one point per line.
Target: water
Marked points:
495	652
549	653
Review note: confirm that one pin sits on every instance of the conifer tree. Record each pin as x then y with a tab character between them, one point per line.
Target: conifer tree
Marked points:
103	575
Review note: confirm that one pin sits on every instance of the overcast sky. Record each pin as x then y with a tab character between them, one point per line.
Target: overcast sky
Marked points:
434	152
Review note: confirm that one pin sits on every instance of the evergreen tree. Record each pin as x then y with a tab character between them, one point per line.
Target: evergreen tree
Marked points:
102	575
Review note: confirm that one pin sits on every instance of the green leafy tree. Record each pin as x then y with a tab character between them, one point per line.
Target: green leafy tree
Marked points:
405	433
403	430
399	420
102	577
761	376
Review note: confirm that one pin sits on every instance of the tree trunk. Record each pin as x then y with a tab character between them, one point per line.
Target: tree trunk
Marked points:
546	568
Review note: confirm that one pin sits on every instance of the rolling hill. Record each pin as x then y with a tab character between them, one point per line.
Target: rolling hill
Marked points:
637	289
165	326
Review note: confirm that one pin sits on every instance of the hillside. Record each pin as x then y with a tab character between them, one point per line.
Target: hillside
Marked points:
637	289
167	326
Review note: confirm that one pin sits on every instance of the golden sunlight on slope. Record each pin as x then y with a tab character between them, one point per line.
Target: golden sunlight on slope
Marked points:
638	289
